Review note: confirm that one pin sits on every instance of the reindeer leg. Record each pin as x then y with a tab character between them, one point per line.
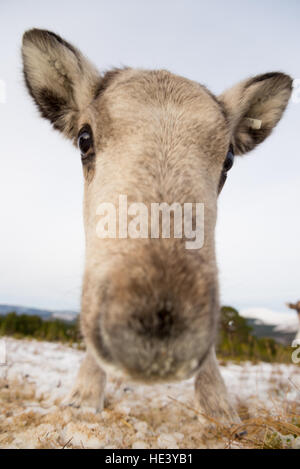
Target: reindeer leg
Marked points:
211	393
89	387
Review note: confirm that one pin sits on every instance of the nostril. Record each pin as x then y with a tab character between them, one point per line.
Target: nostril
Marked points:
164	322
154	324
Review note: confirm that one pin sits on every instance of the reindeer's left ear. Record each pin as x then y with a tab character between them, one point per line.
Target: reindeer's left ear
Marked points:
60	79
254	107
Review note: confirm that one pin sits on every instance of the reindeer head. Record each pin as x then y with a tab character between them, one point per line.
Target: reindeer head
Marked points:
149	306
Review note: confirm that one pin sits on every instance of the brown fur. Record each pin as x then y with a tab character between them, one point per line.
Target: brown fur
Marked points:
149	306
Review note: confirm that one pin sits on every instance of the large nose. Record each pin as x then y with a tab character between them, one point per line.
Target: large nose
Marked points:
154	345
156	318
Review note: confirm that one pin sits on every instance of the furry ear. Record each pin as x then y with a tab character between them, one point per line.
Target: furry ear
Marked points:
59	78
254	107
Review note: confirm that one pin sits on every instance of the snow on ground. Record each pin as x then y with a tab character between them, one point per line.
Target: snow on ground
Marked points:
38	375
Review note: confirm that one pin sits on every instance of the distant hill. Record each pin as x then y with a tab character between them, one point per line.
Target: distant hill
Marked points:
280	326
64	315
266	330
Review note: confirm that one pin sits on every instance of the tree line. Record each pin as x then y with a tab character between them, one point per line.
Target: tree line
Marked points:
236	340
23	325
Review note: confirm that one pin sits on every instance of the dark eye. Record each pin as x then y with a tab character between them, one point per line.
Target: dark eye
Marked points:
228	163
85	142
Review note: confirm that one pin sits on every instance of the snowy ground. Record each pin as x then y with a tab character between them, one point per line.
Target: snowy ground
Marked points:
38	375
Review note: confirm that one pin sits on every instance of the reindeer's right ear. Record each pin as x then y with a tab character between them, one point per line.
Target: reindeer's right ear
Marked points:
60	79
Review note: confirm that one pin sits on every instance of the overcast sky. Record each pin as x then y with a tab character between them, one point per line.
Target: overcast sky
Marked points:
214	42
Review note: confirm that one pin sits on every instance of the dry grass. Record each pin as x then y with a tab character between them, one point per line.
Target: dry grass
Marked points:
31	416
264	432
66	428
268	431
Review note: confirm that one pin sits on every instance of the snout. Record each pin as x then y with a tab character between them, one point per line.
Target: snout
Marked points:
153	321
154	344
154	347
151	347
